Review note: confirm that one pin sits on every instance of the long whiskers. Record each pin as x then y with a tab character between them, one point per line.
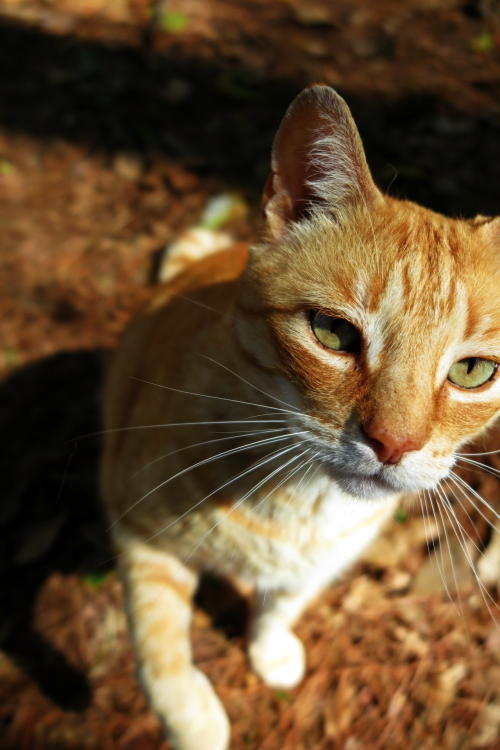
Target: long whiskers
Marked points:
206	307
240	434
288	476
216	398
454	521
230	452
250	384
438	496
459	482
310	463
480	465
425	518
249	420
441	569
241	500
254	488
487	453
452	491
253	467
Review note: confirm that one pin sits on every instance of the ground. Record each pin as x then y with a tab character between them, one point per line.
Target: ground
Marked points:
119	121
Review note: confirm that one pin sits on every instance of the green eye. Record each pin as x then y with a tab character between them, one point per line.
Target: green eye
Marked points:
472	372
336	334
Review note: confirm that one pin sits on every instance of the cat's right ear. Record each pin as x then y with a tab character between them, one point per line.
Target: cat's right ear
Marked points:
318	161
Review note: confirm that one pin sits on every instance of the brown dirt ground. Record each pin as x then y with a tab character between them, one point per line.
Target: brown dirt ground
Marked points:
118	121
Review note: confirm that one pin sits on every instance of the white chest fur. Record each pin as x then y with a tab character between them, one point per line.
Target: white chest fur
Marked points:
297	542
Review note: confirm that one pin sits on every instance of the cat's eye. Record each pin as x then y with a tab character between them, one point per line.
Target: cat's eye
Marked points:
472	372
335	333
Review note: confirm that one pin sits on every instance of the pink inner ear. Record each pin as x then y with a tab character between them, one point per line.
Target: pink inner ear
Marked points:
317	158
291	161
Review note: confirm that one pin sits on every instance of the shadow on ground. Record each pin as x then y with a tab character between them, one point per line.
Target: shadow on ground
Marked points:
218	117
50	518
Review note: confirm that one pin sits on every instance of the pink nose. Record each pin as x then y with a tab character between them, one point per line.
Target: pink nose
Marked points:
388	446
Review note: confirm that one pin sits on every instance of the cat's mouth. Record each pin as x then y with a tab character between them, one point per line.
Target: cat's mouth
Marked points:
354	468
370	482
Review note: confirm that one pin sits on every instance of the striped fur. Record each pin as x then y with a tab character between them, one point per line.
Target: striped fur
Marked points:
287	504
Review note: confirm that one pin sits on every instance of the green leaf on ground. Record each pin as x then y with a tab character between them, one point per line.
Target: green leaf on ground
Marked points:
6	168
401	516
483	43
221	210
173	21
95	580
283	695
11	356
236	88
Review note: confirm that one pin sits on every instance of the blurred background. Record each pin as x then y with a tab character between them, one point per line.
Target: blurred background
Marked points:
120	123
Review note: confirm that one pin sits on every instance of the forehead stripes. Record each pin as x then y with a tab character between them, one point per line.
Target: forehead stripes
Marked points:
419	300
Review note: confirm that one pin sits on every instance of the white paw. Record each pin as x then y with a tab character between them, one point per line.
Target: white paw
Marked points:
277	656
488	566
195	719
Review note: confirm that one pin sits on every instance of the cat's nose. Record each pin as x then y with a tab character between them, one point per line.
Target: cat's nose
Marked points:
388	446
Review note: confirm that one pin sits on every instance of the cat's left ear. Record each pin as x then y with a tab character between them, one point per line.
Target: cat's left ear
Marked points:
318	161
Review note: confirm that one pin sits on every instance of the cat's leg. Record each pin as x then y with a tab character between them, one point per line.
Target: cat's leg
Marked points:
275	653
158	590
488	565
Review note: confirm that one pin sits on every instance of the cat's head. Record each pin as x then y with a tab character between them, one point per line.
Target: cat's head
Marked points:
378	319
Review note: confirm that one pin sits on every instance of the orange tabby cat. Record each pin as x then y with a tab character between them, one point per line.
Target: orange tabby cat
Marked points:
297	389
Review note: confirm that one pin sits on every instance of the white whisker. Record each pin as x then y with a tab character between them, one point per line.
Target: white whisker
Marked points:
206	461
179	424
488	521
476	495
488	453
250	384
269	413
241	434
483	467
466	513
451	509
288	475
285	508
468	557
438	492
443	576
245	497
286	478
256	465
425	519
206	307
440	547
206	395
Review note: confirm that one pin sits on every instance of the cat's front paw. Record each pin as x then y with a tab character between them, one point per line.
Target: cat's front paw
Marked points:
277	656
195	718
488	566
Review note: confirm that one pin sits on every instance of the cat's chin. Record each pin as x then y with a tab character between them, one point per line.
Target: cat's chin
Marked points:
375	486
367	487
